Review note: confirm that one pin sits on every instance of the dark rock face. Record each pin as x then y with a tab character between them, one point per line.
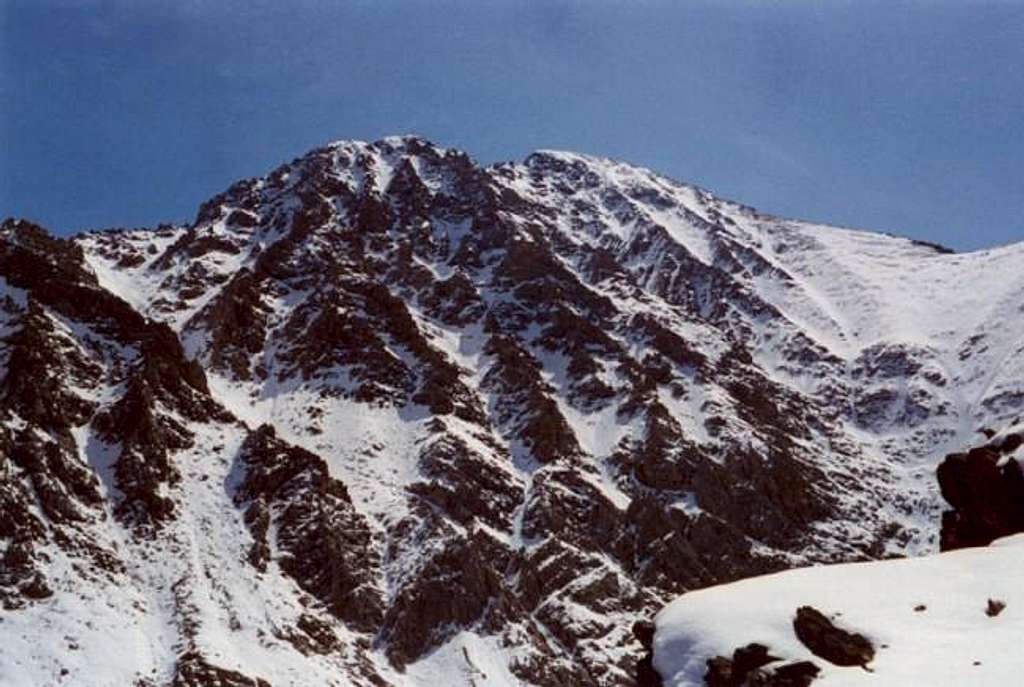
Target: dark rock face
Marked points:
45	490
798	674
144	465
348	286
746	661
524	402
237	321
646	675
465	486
326	546
986	493
748	668
751	657
831	643
32	388
69	340
453	590
54	274
193	670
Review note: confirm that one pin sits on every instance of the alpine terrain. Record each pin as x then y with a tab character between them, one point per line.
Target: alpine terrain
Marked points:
385	416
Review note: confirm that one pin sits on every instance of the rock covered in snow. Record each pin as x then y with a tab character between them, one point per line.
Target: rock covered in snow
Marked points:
387	414
918	621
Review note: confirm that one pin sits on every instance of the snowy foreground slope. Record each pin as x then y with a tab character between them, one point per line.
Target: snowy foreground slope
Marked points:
384	416
926	617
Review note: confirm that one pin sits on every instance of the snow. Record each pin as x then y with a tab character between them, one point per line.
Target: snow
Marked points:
114	630
139	285
467	660
351	437
934	647
846	290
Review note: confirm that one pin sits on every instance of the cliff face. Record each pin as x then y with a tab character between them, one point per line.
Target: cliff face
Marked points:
386	414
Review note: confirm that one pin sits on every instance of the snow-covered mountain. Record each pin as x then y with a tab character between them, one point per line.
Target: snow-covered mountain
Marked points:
388	417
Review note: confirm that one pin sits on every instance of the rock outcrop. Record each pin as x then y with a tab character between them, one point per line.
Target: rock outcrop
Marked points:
985	489
320	540
836	645
753	665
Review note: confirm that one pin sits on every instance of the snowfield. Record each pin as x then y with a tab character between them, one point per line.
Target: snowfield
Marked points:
950	642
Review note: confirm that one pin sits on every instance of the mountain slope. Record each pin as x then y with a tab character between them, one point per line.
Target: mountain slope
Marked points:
409	416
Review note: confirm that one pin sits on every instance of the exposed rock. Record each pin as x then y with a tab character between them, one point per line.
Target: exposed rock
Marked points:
454	588
720	673
466	485
524	401
312	636
829	642
558	392
994	607
986	494
325	545
751	657
798	674
193	670
147	439
237	321
38	367
747	668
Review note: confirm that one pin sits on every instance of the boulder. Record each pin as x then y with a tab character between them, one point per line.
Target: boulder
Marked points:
829	642
986	492
747	668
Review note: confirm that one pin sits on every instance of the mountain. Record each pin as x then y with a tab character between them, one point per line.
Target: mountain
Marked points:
388	417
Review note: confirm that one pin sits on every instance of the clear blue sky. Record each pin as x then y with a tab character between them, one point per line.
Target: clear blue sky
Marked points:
899	116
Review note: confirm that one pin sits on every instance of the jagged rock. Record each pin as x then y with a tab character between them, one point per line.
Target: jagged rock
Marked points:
749	485
36	588
326	337
720	673
193	670
751	657
646	675
34	385
743	668
466	485
147	438
831	643
325	545
525	403
986	495
453	590
665	459
455	301
747	668
557	393
236	320
312	636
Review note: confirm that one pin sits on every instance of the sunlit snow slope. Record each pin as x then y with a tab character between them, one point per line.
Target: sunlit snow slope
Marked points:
926	617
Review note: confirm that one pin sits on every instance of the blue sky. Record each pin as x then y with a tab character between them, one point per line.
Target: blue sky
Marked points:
905	117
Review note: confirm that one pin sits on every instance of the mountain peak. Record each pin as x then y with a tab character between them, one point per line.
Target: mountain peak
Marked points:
383	414
401	144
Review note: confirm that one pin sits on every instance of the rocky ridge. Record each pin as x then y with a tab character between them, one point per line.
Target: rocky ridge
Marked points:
384	412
